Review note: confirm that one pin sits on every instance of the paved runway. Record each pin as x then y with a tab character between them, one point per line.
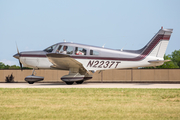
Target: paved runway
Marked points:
88	85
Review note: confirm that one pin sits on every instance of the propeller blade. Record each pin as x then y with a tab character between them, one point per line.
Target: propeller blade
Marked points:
19	58
20	65
17	48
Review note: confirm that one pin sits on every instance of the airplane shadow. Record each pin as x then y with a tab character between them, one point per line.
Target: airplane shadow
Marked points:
144	83
46	84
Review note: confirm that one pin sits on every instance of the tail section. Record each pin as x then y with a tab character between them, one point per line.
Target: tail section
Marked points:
158	44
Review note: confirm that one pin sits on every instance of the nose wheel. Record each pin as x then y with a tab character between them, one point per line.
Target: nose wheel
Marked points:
30	82
32	78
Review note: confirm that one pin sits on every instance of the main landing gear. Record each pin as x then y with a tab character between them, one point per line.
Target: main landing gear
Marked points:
71	82
80	82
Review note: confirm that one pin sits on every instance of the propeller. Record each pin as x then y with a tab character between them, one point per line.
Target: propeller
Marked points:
20	65
19	57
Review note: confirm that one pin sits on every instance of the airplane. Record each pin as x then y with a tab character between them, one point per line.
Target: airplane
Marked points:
83	60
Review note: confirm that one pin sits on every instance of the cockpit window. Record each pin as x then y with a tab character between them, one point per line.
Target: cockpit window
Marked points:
64	49
51	48
58	49
80	51
92	52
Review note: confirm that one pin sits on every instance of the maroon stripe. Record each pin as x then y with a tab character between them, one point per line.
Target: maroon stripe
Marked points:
31	55
147	51
166	37
63	78
75	78
72	77
87	78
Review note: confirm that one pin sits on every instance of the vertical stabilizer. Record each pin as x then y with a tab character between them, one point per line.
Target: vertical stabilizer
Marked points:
158	44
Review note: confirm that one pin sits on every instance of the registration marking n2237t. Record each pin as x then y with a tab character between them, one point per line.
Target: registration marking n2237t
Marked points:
102	64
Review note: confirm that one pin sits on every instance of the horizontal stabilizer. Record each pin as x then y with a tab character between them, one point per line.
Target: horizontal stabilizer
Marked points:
158	61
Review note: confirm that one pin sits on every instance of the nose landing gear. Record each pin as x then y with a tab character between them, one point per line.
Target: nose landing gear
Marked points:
32	78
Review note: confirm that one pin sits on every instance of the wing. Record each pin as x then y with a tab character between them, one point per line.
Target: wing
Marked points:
64	62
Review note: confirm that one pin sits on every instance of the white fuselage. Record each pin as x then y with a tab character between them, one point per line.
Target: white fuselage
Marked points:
90	64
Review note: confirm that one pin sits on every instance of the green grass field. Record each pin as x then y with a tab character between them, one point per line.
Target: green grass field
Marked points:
83	103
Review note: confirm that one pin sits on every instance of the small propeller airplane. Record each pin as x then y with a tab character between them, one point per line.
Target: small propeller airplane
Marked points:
82	60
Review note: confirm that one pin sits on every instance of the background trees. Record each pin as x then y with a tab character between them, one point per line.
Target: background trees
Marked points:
3	66
175	57
174	63
170	64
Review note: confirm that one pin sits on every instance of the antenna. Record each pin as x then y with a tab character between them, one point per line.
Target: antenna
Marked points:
123	47
103	45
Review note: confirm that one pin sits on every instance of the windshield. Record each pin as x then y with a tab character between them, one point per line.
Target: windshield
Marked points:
51	48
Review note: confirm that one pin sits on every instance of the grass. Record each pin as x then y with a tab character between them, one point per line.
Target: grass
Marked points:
83	103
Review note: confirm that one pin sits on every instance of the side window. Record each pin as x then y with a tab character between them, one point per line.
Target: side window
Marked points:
92	52
80	51
66	50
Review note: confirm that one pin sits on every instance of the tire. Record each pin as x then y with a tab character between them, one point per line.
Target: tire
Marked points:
69	83
80	82
30	82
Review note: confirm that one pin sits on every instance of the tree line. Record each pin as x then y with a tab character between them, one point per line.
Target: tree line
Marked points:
3	66
174	63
